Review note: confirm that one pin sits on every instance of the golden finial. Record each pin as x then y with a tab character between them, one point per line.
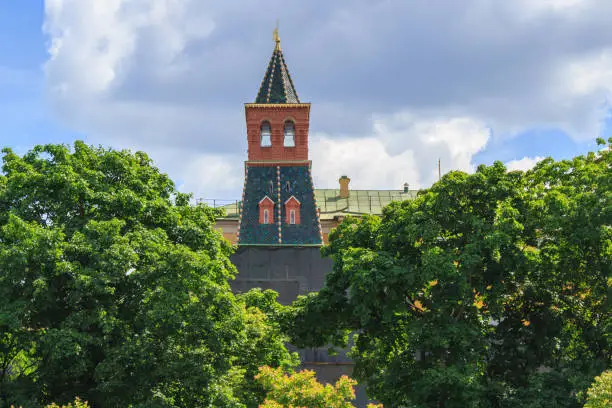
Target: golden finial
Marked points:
277	38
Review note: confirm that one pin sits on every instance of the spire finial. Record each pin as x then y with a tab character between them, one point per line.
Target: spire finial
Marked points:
277	38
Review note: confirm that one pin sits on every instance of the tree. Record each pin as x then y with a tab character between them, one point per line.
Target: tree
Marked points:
599	394
302	389
113	287
489	289
77	404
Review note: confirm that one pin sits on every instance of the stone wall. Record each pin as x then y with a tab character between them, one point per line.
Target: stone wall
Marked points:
293	271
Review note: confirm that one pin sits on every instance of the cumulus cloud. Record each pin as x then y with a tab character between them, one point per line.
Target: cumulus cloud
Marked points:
395	85
524	164
402	149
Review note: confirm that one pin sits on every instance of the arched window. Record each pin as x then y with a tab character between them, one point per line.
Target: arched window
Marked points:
266	134
288	186
270	187
289	134
266	216
291	216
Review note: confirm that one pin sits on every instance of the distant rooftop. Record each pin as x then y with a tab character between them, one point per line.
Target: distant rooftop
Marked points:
358	202
331	205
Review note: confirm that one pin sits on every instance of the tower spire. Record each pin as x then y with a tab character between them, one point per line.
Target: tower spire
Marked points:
277	47
277	86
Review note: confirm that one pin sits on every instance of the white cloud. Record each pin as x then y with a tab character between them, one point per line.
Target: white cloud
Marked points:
94	42
403	148
524	164
394	86
365	161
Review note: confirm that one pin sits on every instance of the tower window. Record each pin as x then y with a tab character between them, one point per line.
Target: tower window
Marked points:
266	211
266	134
292	211
289	134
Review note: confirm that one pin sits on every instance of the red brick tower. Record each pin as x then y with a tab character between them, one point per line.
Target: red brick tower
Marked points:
278	205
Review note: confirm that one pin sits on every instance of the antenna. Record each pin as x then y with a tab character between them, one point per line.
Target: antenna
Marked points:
439	170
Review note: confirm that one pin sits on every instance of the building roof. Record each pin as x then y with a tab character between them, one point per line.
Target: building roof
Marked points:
359	202
277	86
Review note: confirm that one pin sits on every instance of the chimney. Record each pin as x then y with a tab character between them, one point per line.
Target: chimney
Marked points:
405	187
344	186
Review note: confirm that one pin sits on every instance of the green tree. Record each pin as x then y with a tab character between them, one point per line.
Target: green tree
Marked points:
599	394
113	287
77	404
489	289
302	389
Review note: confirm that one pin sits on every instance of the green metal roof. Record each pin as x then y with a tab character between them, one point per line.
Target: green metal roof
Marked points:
359	202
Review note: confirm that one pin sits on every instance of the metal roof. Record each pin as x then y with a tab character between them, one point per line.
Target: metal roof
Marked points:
359	202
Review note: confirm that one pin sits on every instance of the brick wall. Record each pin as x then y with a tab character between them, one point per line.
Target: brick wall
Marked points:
276	115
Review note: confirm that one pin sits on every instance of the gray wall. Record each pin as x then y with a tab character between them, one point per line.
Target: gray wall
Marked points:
293	271
290	271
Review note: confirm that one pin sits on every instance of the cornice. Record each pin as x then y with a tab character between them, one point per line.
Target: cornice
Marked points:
277	105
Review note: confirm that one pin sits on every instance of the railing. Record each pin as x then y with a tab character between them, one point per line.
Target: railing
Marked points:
231	206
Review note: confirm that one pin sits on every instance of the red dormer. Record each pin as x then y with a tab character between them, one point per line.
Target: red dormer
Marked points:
292	211
266	211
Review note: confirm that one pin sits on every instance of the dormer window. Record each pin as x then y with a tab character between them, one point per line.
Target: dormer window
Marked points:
266	134
266	211
289	134
292	211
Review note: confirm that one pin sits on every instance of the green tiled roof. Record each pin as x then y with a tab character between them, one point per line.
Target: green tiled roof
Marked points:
277	86
359	202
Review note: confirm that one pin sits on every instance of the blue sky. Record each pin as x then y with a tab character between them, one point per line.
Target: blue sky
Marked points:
393	85
25	119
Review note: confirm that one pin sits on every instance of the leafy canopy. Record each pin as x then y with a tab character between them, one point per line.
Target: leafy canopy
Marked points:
115	289
302	389
489	289
599	394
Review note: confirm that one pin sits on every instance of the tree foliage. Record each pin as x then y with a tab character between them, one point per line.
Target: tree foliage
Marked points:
599	394
302	389
114	288
487	290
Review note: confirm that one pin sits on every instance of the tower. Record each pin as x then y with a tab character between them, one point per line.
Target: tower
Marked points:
278	200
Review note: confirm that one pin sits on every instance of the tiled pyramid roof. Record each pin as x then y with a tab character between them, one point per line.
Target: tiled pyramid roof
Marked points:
277	86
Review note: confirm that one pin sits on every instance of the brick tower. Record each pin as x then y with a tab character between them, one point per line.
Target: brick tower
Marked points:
278	201
279	232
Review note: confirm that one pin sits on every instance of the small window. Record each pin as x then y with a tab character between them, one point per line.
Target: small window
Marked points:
270	187
288	186
266	135
289	134
266	216
292	217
